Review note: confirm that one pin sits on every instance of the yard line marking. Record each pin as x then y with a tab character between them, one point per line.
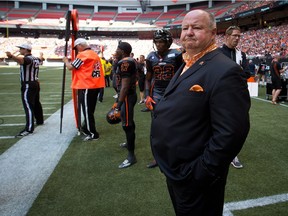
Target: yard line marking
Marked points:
41	93
9	125
51	68
281	104
20	115
47	108
261	99
45	103
49	99
7	93
50	83
252	203
8	73
227	212
26	166
7	137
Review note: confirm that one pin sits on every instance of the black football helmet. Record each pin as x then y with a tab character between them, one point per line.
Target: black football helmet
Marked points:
113	117
164	35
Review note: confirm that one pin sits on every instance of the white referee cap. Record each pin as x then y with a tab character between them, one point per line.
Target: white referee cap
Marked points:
79	41
25	46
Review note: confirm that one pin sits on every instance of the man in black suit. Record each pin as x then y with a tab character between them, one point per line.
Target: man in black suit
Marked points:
201	122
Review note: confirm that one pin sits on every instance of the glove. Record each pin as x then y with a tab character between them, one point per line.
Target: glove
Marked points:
148	103
114	105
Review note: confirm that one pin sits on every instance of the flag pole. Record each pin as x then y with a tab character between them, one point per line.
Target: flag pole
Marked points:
67	36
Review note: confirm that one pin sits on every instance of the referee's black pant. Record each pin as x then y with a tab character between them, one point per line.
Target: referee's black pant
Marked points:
88	101
30	95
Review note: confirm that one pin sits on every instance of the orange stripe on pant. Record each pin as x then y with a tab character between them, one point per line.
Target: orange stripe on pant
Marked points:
126	111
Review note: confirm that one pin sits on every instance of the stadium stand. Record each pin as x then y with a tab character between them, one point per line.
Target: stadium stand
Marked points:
248	5
84	16
51	14
84	13
254	42
171	14
5	5
21	13
178	20
128	17
161	23
273	39
3	12
168	17
156	17
104	15
148	17
221	9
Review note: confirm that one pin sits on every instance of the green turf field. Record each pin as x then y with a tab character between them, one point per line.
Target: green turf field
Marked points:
87	180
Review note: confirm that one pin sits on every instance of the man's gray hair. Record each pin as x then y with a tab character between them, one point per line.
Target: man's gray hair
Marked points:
212	20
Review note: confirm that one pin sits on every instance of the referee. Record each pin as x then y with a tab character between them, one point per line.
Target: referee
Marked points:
88	79
30	88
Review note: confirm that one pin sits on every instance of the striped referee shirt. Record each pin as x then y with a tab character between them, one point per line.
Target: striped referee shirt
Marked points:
29	69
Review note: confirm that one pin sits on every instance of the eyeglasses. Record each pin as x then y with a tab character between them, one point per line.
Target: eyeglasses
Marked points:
234	35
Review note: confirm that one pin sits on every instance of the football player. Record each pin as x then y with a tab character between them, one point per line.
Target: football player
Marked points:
161	66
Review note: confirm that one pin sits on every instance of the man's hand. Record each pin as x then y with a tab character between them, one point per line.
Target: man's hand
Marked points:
65	60
148	103
9	54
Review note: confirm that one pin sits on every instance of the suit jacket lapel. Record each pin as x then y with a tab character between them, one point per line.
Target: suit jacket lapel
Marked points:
195	67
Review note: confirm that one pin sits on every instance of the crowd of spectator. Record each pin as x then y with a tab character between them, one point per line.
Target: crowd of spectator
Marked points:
249	5
256	43
273	40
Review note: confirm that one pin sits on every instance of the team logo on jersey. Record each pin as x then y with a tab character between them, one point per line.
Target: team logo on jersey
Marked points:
96	71
171	55
96	74
124	66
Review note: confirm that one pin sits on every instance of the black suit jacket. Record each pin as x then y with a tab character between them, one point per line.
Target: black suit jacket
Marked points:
231	53
197	134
